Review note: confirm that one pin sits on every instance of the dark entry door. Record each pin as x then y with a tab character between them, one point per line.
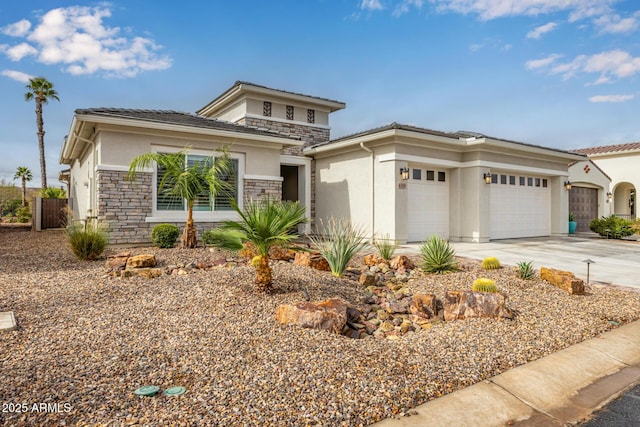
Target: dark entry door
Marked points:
583	202
289	182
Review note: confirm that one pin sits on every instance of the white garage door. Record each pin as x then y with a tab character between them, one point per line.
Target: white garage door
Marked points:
428	203
520	206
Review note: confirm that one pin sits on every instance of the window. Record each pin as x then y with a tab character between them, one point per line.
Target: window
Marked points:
503	179
441	176
512	180
165	201
431	176
266	109
417	174
529	182
289	112
544	182
522	180
537	182
494	178
311	116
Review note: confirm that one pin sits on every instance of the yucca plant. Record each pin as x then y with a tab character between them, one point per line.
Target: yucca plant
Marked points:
87	241
484	285
338	240
264	223
385	246
526	270
437	256
490	263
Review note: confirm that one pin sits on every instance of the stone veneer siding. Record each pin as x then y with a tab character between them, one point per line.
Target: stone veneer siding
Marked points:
258	189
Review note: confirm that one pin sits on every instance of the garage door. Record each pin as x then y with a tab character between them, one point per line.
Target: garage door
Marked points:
520	206
428	203
583	202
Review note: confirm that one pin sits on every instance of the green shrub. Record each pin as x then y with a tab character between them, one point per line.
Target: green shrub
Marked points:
164	235
24	214
87	241
571	217
612	227
338	241
385	246
490	263
484	285
526	270
53	193
437	256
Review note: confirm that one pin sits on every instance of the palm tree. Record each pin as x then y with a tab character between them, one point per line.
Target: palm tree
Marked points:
185	182
41	90
23	173
264	223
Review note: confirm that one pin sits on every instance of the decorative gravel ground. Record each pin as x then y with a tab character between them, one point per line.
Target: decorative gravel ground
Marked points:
86	341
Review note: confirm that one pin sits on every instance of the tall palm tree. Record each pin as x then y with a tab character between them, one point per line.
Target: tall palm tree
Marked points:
186	182
25	175
264	223
41	90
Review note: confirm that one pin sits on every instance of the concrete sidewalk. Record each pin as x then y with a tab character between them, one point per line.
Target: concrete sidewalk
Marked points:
564	387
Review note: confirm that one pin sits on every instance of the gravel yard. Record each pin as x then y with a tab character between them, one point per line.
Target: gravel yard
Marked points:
86	341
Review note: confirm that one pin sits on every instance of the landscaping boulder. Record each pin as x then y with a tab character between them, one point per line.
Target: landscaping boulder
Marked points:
401	261
116	263
424	306
373	259
141	261
312	259
563	279
467	304
367	278
329	315
147	273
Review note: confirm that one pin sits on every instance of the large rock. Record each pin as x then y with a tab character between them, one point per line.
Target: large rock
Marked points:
329	315
401	261
563	279
281	254
116	263
147	273
313	260
424	305
468	304
141	261
373	259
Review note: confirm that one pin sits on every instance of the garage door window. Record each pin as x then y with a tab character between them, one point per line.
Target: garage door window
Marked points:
522	180
430	175
503	179
512	180
441	177
544	183
529	182
417	174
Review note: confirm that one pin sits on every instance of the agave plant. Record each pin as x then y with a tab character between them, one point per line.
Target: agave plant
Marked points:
338	240
385	246
526	270
264	223
437	256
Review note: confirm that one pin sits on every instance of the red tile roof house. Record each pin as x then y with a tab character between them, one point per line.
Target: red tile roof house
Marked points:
404	181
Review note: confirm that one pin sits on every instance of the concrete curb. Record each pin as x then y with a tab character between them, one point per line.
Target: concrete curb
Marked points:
7	321
562	388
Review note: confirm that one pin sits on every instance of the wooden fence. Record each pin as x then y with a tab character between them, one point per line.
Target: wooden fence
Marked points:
53	213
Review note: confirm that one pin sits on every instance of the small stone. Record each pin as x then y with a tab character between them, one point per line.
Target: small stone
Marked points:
386	326
367	278
382	315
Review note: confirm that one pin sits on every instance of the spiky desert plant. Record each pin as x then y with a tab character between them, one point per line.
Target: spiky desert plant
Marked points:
385	246
484	285
437	256
87	241
490	263
526	270
338	240
264	223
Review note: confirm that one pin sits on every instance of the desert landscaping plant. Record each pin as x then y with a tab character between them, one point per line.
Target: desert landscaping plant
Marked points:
264	223
526	270
164	235
385	246
338	240
437	256
484	285
612	227
490	263
53	193
88	241
23	174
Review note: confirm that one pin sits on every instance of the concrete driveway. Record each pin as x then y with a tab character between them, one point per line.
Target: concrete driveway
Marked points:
616	262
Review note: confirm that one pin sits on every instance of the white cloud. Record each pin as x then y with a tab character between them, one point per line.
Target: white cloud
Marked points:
406	5
611	98
537	32
371	5
534	64
77	38
17	75
613	23
17	29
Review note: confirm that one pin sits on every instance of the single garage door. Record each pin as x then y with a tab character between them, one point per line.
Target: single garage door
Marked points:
583	202
428	203
520	206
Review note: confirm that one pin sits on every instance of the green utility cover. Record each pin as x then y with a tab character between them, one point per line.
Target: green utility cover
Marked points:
174	391
147	390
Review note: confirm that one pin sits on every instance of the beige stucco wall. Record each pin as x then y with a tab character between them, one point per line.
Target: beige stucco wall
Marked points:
81	182
623	170
278	110
233	112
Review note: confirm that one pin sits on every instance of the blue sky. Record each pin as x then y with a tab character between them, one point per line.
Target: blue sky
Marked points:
558	73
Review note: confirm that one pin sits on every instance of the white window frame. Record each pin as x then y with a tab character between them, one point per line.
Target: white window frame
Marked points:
198	216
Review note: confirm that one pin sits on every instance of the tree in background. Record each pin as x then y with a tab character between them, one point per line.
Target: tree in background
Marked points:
25	175
41	90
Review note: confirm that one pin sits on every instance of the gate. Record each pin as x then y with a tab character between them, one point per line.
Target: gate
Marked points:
53	213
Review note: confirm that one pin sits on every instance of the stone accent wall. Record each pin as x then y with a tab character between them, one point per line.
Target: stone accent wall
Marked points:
257	189
124	205
310	135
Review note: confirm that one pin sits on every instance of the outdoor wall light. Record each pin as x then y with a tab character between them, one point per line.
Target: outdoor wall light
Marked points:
487	178
404	173
567	185
609	196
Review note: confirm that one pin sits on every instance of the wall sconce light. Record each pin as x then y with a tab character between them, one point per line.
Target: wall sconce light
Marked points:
609	196
567	185
404	173
487	178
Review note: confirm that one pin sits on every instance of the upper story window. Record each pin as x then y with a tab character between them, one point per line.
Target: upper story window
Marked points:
289	112
266	109
311	116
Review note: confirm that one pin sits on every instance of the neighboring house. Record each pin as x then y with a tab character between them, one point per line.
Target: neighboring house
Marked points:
399	180
590	195
622	163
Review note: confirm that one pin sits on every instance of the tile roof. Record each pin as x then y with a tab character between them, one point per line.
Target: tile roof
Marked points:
180	118
241	82
632	146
